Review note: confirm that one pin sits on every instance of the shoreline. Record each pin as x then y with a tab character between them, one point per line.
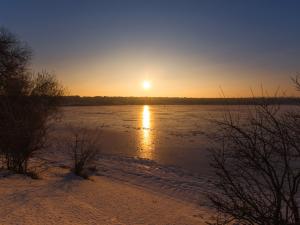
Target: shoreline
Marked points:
60	197
164	101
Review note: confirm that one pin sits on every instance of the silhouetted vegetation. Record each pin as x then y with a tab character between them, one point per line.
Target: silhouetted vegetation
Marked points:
98	100
257	167
83	148
28	101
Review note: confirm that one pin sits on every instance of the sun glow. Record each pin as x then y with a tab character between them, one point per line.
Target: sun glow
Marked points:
146	85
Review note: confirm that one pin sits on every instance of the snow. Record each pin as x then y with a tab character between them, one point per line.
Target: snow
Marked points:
123	190
170	180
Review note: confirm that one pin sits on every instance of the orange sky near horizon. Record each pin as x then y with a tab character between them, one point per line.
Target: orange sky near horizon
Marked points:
123	75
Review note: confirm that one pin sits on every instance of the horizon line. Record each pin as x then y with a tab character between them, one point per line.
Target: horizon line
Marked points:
119	96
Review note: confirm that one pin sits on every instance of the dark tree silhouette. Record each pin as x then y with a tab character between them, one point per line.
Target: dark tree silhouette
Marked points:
27	102
256	161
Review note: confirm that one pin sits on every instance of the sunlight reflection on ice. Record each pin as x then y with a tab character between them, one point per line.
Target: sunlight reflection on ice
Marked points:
146	139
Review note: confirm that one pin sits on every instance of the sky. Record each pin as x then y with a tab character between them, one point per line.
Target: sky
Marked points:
187	48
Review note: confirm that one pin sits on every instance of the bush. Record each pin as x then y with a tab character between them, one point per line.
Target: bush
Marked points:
257	167
84	149
27	102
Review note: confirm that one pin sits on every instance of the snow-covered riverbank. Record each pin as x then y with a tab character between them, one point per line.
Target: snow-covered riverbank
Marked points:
123	190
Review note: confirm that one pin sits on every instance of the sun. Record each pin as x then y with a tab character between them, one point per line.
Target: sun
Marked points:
146	85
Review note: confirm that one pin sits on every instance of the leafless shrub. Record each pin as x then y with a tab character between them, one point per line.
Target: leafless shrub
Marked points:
84	149
257	167
27	102
296	81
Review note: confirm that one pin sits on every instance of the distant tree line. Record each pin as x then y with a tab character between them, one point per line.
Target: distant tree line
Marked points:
104	100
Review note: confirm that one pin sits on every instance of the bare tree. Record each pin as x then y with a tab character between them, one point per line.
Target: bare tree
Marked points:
296	81
257	167
14	61
83	148
27	103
